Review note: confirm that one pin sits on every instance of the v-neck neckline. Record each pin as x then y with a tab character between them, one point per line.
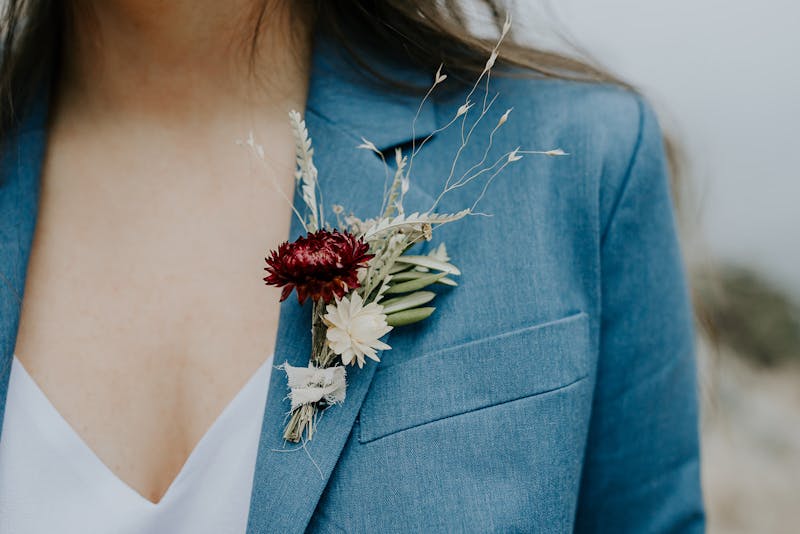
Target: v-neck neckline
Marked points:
65	441
344	106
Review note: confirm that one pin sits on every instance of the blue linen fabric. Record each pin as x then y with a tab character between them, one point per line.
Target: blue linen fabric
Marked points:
553	390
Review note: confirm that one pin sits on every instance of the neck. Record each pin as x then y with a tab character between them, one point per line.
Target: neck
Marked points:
185	56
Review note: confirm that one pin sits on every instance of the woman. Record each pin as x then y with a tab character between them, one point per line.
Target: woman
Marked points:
553	390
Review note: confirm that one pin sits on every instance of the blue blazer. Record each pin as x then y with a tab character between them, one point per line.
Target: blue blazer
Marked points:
553	390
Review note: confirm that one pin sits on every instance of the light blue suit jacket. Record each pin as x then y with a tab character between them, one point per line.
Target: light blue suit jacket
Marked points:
553	390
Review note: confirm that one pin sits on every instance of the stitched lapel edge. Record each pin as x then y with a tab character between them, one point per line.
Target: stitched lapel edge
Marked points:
20	167
341	106
289	480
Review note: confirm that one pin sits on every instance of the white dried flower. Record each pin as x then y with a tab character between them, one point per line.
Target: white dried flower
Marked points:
439	76
506	25
504	118
368	145
354	330
490	61
464	108
427	231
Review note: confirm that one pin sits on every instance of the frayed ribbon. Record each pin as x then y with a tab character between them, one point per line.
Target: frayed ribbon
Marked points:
309	385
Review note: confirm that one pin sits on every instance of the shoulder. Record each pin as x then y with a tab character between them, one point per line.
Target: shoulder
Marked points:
603	127
610	117
599	121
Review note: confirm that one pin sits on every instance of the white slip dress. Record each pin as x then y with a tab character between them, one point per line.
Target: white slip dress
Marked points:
51	481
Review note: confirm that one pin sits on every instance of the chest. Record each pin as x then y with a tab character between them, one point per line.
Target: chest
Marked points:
145	311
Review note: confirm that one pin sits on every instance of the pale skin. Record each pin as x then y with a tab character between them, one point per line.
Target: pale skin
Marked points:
144	310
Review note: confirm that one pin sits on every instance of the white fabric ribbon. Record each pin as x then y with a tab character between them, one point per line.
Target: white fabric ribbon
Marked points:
311	384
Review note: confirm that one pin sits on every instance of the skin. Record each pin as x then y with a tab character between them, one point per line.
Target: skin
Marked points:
144	310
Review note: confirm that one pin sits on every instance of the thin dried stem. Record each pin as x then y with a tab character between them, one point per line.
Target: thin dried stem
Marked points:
258	151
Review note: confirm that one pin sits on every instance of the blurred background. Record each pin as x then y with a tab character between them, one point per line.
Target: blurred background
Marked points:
723	76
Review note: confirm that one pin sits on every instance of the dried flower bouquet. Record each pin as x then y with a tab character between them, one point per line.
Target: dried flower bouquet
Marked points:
360	276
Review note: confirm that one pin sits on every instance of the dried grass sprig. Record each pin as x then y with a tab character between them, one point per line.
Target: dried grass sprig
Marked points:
393	285
306	173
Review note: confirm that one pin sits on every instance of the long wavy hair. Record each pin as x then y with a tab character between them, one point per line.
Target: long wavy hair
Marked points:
427	33
424	32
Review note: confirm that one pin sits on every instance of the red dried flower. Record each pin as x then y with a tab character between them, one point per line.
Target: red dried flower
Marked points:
320	265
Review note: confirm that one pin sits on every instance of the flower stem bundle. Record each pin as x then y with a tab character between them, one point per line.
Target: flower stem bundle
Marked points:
361	277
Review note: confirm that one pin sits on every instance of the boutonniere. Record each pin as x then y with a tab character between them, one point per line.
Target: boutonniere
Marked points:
361	275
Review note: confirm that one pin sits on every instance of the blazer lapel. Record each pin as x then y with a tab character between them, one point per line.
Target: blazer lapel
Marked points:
342	106
20	165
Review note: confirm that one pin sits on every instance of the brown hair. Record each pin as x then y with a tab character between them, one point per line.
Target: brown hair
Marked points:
425	32
432	33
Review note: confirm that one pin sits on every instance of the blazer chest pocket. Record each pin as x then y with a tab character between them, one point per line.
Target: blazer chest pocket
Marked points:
477	374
